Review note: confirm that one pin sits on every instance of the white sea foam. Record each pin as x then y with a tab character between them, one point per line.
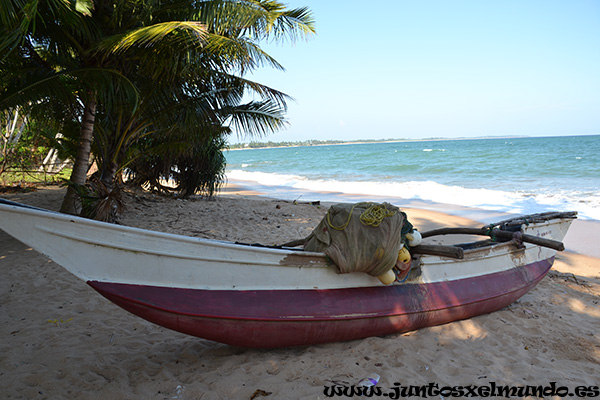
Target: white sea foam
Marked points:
496	200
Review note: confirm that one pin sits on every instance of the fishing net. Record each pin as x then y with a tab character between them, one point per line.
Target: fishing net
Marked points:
362	237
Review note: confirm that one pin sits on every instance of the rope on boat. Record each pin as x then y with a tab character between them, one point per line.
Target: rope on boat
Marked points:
490	232
343	226
372	216
375	214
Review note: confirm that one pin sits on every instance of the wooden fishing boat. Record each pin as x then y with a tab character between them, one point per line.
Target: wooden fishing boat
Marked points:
273	297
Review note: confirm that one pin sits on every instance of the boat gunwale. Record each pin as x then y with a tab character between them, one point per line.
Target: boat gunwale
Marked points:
117	228
485	249
275	250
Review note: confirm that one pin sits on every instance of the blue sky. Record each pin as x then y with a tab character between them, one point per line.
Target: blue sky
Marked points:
423	68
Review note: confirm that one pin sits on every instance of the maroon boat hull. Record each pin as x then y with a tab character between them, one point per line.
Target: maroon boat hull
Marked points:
279	318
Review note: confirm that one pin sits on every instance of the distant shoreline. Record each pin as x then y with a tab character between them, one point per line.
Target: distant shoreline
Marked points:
314	143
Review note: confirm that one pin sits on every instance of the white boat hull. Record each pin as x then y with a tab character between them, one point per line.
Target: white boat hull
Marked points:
266	297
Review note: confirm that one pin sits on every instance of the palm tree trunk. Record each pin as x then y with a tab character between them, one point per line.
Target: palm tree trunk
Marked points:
108	173
80	167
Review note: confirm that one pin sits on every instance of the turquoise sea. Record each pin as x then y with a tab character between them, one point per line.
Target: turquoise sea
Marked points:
516	175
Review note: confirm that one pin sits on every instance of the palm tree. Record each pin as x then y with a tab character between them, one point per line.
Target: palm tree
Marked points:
45	67
198	88
122	66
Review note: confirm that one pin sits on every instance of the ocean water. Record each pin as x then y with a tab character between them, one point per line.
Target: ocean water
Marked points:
516	175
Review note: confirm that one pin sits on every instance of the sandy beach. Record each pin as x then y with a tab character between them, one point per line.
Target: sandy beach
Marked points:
62	340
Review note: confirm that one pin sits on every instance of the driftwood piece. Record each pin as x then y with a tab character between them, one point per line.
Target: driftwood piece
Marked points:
294	243
496	233
438	250
545	216
429	249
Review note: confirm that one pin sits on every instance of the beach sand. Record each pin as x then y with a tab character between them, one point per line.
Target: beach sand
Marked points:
62	340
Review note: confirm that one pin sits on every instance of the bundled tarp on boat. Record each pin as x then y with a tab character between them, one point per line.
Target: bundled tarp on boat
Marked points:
362	237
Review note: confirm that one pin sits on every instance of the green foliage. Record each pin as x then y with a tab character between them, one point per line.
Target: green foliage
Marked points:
202	170
20	177
186	166
99	201
197	105
156	74
24	141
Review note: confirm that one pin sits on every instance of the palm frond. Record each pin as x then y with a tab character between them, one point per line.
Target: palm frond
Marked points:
256	118
183	34
257	19
240	54
110	85
33	18
296	23
98	201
